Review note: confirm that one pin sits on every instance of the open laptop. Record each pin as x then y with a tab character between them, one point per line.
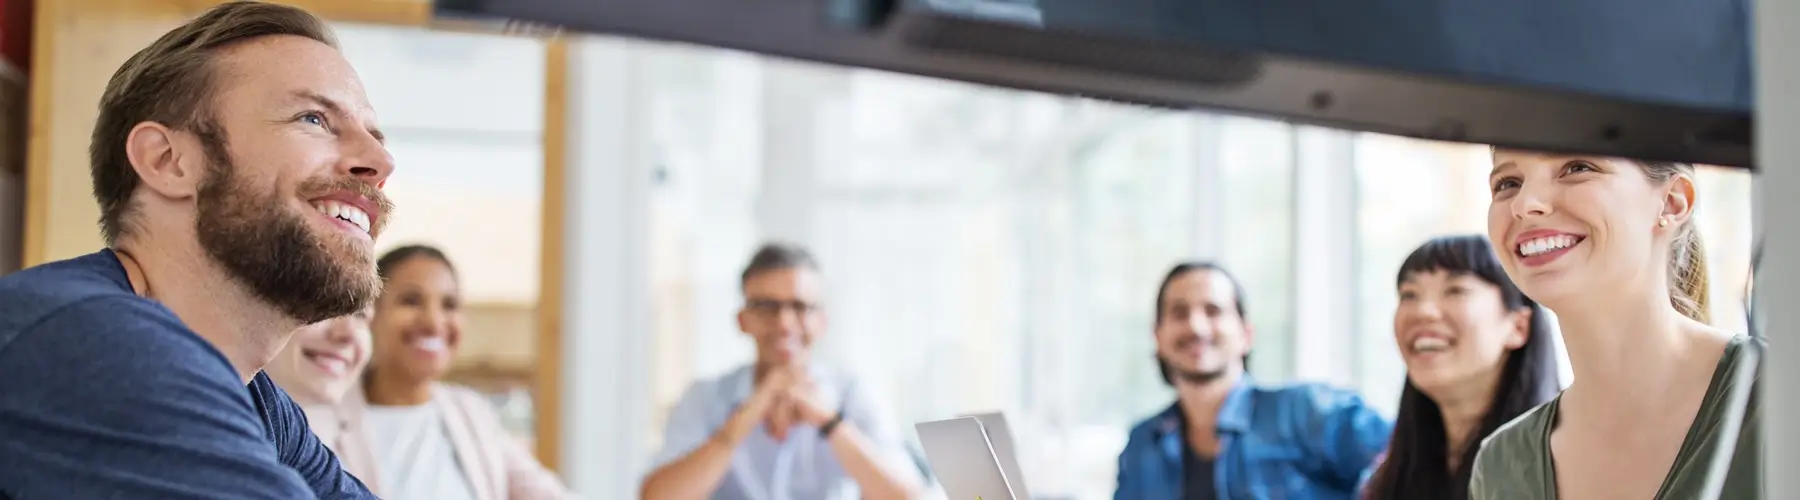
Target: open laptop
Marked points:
1000	438
963	460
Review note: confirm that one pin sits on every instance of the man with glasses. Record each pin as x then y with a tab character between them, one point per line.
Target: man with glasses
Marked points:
785	427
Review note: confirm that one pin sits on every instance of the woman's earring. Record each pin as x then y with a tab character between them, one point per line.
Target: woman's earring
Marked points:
1662	222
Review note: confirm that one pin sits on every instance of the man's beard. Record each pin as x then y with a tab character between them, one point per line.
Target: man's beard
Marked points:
1198	376
269	249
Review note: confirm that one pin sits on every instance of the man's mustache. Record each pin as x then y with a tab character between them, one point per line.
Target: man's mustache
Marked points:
385	207
1195	339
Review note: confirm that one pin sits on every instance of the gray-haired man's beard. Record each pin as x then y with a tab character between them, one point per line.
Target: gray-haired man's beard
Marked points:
270	250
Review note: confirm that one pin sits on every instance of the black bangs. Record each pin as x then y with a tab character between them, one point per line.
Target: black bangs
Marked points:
1415	468
1462	254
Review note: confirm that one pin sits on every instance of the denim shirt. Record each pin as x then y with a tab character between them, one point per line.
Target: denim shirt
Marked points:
1296	442
1362	483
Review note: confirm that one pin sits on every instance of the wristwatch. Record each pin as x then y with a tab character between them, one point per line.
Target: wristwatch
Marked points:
831	425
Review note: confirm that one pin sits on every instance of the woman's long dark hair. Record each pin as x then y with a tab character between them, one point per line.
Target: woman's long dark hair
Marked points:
1416	467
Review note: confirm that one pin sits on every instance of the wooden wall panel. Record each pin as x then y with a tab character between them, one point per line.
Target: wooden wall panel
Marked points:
547	406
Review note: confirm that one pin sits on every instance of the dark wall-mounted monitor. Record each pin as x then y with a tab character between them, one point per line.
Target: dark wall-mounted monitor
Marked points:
1655	79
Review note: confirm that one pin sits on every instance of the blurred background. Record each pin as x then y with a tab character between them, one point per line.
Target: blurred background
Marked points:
984	248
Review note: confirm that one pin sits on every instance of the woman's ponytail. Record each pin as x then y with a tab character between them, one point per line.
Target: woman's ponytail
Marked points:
1688	282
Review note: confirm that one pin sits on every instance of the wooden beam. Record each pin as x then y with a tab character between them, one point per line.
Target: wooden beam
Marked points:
395	12
37	140
547	395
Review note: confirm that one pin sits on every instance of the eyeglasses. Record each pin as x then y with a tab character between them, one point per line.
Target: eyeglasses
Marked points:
768	307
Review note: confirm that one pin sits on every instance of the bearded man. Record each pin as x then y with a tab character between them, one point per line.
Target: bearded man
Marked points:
237	166
1226	436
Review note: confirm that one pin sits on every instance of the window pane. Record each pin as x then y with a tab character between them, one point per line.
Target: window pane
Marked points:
1722	211
701	228
984	249
1257	162
1409	191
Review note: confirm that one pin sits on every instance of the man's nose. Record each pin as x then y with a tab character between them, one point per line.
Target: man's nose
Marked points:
1200	324
789	318
366	158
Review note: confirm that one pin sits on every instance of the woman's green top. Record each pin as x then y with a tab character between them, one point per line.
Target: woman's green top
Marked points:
1515	463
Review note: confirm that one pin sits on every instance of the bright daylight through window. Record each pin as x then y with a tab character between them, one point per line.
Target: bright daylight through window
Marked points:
990	249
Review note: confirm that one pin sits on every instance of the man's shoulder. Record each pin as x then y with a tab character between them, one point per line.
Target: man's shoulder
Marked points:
125	324
1312	395
843	380
1303	389
285	426
119	321
1150	426
712	393
724	379
267	394
33	295
281	416
79	307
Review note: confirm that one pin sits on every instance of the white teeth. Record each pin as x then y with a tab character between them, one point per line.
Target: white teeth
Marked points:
431	344
347	212
1545	244
333	365
1430	344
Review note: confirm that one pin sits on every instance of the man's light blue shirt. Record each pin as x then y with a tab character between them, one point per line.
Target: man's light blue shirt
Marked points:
1296	442
801	468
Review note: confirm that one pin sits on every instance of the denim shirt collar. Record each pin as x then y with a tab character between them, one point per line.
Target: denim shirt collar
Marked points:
1234	414
1234	418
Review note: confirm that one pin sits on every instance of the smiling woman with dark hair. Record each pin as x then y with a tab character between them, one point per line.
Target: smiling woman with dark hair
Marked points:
1478	353
402	429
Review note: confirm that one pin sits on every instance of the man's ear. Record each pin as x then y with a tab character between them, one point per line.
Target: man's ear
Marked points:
165	160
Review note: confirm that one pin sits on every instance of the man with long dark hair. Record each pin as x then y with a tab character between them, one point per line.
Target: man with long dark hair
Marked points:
1225	436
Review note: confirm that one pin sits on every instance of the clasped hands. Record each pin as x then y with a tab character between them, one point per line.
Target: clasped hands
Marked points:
784	397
